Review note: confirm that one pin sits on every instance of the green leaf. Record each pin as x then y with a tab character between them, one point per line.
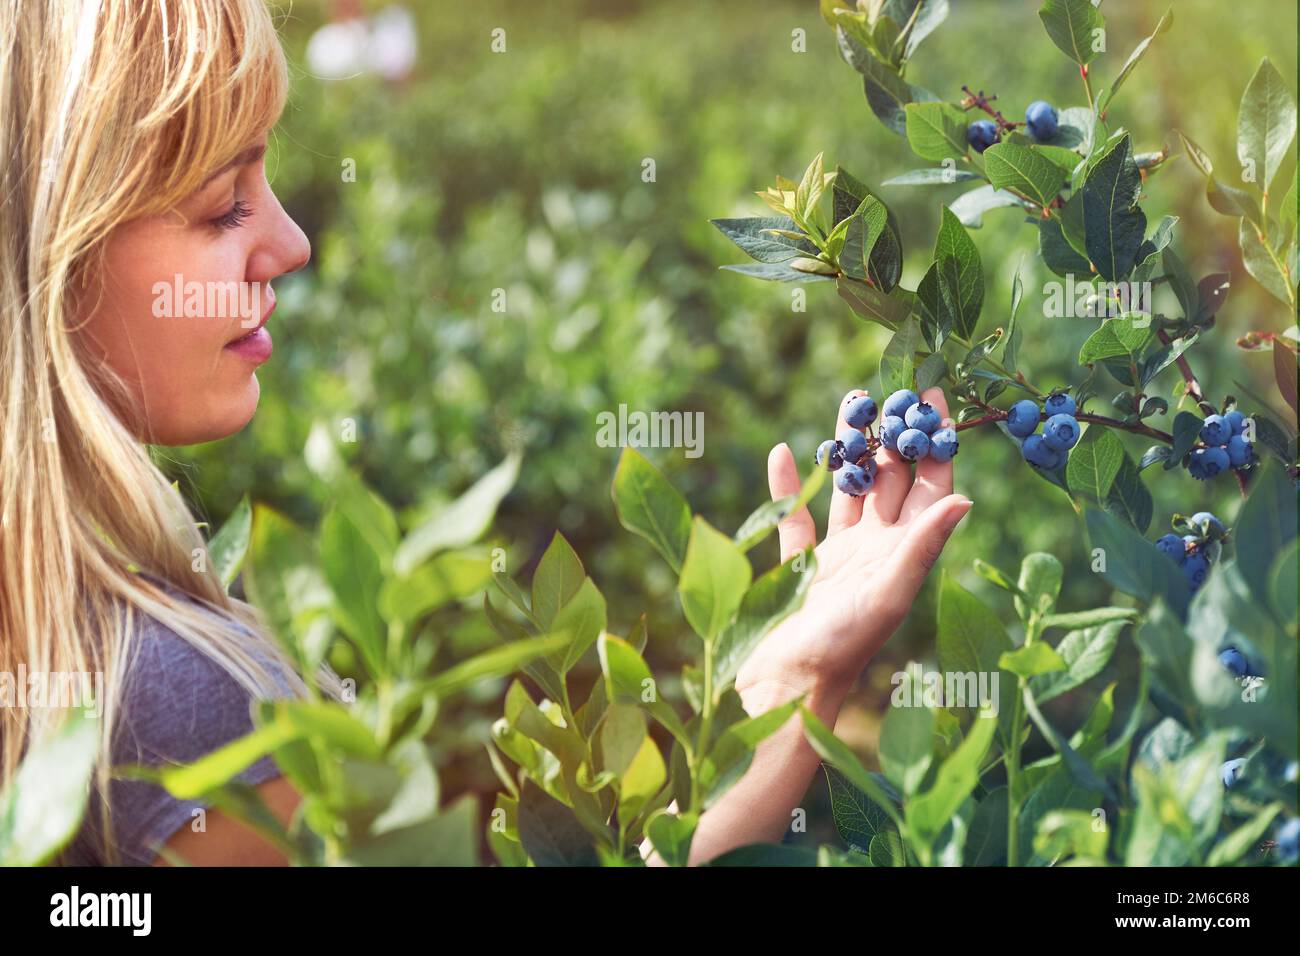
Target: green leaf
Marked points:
1095	462
887	309
887	850
229	545
1241	840
730	754
1185	431
898	360
775	272
936	131
1265	124
1039	584
671	836
769	600
557	579
1139	51
551	833
462	522
885	252
1132	564
924	21
1058	255
1124	336
930	177
1071	25
865	228
757	240
495	663
1084	619
356	577
1231	201
1129	498
450	576
1266	525
768	515
959	276
932	371
649	506
1255	257
905	746
1032	660
858	819
927	814
1114	224
628	681
283	581
582	620
969	207
973	640
1026	169
836	753
1084	653
715	575
42	808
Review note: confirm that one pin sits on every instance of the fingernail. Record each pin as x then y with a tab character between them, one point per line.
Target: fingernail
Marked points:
960	510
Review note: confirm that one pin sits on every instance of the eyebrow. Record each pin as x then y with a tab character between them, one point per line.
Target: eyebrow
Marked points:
250	155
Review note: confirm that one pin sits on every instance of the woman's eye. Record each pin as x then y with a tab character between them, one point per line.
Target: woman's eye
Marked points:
233	219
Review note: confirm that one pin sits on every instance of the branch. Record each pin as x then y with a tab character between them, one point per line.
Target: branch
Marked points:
1137	428
1193	386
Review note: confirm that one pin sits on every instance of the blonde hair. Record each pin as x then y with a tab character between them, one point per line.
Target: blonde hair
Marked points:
109	110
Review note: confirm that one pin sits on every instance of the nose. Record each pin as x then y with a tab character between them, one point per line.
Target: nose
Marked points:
282	246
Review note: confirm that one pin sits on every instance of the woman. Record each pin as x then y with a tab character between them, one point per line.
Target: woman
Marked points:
134	133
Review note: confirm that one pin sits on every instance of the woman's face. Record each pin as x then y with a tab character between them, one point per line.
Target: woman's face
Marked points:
177	309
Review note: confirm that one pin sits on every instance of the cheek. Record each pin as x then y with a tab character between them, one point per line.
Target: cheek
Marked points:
186	385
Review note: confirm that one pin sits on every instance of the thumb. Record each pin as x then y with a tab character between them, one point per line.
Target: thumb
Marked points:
928	533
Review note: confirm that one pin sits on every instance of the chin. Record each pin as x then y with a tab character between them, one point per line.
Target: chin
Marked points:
227	414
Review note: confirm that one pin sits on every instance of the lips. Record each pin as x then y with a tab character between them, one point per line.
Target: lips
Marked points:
255	345
266	314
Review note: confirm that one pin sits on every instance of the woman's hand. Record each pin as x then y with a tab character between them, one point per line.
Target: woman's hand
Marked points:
877	551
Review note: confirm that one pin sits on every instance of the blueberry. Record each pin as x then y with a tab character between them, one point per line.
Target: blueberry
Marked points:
943	444
1041	120
1288	841
1206	522
1236	421
853	480
1195	568
855	445
1234	660
896	405
1239	451
1060	404
1022	418
922	416
1061	432
981	134
1216	430
868	465
1037	452
1172	546
1231	770
830	454
1205	463
914	444
891	426
860	411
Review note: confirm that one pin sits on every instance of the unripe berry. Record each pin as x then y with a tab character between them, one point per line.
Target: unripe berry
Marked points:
855	445
891	426
1172	546
860	411
1022	418
914	444
1037	453
897	404
1239	451
1216	430
923	416
830	454
943	445
853	481
1060	404
1061	432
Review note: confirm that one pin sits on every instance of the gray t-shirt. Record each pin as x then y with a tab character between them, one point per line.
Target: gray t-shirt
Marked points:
177	706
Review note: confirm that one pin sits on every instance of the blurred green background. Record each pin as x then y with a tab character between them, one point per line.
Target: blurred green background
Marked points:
522	171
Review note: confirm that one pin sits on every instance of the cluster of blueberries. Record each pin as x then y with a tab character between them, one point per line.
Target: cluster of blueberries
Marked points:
1225	446
1060	430
1040	120
1190	550
910	428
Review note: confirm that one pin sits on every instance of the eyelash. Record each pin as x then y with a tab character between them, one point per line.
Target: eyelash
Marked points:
235	218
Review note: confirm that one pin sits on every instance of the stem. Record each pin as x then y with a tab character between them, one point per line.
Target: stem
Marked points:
1087	84
997	415
999	367
706	726
1193	386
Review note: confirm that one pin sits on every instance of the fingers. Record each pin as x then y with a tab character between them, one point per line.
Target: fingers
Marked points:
923	543
796	531
845	509
893	479
933	479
